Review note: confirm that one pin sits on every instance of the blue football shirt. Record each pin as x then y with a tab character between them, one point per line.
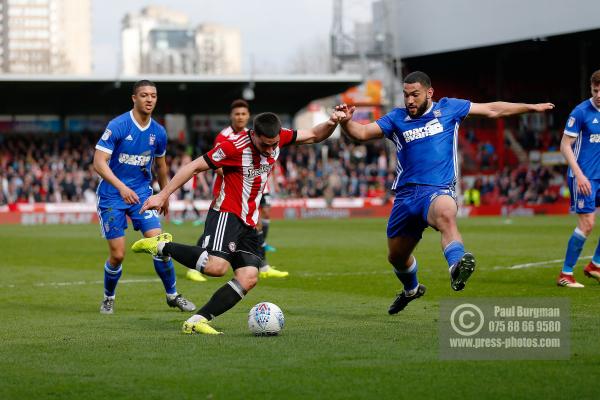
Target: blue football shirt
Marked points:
584	124
132	148
426	147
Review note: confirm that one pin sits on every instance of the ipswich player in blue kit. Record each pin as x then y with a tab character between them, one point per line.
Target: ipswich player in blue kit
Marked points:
425	134
123	159
580	145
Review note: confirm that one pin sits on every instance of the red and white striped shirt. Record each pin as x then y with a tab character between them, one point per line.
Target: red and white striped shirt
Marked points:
245	173
225	134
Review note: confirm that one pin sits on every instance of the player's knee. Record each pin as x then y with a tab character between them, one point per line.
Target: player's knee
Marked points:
117	257
586	225
446	218
216	267
247	280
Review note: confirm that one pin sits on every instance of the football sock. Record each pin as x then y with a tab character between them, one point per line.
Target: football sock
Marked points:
261	241
111	278
172	296
166	272
574	248
454	252
596	257
183	253
264	266
265	230
408	277
195	318
223	299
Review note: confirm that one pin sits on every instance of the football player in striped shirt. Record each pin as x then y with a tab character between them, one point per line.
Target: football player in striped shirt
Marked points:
230	237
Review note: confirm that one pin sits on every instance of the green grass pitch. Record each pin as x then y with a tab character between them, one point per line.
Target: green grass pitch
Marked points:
338	342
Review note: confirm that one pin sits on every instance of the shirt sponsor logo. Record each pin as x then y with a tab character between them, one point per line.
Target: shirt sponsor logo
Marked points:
134	159
595	138
106	134
218	155
263	169
432	128
571	122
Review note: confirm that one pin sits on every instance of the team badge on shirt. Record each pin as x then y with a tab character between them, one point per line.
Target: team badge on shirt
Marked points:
571	122
152	139
106	134
218	155
437	113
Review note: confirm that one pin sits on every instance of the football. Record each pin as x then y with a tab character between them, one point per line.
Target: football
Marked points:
265	319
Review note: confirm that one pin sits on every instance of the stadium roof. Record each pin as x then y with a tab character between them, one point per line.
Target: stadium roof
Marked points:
465	24
73	95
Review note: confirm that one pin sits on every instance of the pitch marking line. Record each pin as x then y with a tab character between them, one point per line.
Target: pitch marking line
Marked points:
543	264
80	283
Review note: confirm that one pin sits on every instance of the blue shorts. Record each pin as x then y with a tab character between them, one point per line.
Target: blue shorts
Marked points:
581	204
113	219
411	205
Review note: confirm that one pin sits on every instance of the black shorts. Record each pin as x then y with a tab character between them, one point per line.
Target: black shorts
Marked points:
265	200
226	236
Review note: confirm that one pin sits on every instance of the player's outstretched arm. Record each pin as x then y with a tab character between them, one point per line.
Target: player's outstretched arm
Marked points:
566	148
355	130
101	166
499	109
158	201
321	131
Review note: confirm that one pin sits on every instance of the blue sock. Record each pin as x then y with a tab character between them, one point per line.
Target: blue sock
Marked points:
166	272
408	277
111	278
596	258
574	248
454	252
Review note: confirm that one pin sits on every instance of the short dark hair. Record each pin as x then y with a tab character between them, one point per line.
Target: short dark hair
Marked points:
418	77
267	124
239	103
143	82
595	79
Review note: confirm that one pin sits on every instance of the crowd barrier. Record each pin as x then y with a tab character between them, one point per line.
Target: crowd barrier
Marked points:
85	213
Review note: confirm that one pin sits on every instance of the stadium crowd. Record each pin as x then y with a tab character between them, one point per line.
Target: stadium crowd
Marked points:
58	168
